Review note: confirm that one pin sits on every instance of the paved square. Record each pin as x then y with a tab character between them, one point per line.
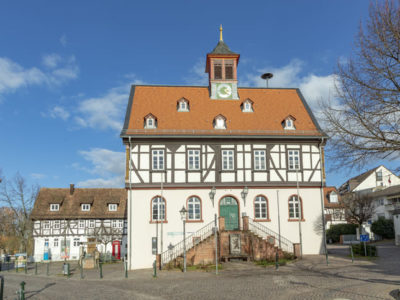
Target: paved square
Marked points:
309	278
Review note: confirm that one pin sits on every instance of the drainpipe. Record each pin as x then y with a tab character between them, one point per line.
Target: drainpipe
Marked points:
322	201
130	210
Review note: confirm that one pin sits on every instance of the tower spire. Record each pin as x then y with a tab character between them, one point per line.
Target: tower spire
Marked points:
220	33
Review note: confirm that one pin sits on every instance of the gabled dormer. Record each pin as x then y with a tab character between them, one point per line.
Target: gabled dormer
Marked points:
150	122
183	105
221	66
219	122
247	106
288	123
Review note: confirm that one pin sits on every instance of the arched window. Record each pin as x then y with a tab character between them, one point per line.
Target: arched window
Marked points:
261	208
158	209
194	209
295	207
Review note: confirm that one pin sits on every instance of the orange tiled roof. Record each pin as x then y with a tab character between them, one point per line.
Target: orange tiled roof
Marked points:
271	106
327	204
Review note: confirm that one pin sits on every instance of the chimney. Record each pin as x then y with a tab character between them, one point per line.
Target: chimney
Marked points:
71	188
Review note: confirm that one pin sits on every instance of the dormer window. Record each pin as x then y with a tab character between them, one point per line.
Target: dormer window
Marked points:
247	106
150	121
85	207
54	207
220	122
112	207
183	105
333	197
288	123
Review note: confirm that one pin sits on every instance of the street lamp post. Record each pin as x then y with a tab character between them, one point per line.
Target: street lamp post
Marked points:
183	212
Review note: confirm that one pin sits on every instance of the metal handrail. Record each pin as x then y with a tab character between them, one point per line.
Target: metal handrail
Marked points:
264	232
190	242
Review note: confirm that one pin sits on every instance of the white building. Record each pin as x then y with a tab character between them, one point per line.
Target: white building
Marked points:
223	150
79	217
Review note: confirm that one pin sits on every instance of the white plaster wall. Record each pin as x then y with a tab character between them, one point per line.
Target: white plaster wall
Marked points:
143	230
370	182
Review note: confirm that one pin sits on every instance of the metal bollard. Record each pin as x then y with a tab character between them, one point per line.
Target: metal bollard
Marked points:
101	270
1	287
352	255
81	269
22	291
276	260
35	268
154	269
48	269
1	266
8	266
26	267
16	267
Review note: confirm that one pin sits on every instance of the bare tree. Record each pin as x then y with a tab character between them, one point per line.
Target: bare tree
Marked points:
359	207
364	119
19	198
106	235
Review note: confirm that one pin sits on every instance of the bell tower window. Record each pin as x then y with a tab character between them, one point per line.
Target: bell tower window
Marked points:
228	69
218	69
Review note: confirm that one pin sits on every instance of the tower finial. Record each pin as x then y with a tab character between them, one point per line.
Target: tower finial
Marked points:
220	33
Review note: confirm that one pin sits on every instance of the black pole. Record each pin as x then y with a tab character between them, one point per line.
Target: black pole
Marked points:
22	291
276	260
35	268
1	287
101	270
48	269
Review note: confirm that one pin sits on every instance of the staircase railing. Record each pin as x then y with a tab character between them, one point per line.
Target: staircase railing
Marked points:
190	241
265	232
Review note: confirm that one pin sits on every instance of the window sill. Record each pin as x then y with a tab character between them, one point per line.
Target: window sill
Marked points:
193	171
260	171
296	220
159	222
194	221
294	171
262	220
227	171
158	171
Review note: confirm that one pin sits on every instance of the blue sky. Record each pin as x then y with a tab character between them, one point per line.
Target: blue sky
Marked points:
66	68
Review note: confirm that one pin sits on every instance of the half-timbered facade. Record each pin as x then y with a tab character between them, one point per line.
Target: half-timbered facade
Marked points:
65	220
228	151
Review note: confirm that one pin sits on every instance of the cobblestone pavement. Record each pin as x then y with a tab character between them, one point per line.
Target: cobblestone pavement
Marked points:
310	278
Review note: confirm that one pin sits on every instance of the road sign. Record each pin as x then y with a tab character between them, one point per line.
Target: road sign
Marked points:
364	238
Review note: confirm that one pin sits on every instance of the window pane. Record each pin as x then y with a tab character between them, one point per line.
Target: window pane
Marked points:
228	72
217	71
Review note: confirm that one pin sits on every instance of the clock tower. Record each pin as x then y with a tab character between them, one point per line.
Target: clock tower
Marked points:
221	67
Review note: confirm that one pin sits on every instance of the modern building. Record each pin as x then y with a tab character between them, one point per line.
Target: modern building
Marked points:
220	150
65	220
335	212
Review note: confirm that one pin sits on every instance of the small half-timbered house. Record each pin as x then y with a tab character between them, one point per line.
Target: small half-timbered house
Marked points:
66	219
225	150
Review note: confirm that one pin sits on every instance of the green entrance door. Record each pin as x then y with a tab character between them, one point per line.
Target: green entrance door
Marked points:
228	208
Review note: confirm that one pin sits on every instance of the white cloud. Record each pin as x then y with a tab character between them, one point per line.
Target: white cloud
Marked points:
197	76
14	76
51	60
313	87
58	112
63	40
107	111
106	163
37	175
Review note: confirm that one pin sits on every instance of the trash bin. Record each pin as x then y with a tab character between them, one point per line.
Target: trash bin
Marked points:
66	269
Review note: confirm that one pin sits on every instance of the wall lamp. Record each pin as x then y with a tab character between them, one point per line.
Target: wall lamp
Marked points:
212	194
244	194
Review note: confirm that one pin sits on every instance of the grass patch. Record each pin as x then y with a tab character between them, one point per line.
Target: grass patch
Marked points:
362	257
206	268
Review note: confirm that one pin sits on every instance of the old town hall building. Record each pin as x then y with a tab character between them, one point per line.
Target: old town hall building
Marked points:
220	149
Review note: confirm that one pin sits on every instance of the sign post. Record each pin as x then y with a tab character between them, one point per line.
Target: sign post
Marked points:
364	238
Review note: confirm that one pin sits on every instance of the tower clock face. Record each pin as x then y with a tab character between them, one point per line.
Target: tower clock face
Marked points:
224	90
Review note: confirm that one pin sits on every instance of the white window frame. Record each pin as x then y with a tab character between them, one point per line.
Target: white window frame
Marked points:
158	209
194	159
76	242
85	207
54	207
92	223
158	159
46	225
220	123
294	208
260	208
293	159
57	224
183	105
247	106
55	242
333	197
228	159
260	160
112	207
379	175
81	224
289	124
120	223
194	209
151	123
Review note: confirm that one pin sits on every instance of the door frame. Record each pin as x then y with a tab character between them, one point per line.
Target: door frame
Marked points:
238	204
